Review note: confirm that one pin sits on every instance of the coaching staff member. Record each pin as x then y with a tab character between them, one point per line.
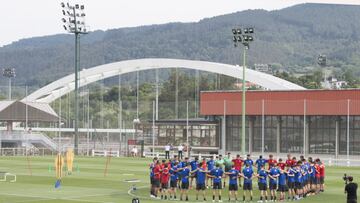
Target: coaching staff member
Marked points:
350	190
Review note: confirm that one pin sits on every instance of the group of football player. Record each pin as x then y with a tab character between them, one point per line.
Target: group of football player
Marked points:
294	178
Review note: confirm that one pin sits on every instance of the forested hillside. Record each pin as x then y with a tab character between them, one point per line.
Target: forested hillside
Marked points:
290	39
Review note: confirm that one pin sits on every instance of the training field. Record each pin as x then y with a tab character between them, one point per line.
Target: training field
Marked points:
88	184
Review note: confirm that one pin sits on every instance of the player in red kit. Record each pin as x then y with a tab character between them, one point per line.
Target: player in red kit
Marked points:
317	175
157	176
281	164
322	176
237	162
165	176
271	161
290	161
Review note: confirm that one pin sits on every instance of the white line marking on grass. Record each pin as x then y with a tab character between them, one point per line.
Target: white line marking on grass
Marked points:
128	174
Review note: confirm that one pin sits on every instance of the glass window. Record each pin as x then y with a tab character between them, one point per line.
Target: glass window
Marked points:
292	132
354	135
322	132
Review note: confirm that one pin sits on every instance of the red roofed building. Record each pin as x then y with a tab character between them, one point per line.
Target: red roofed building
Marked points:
320	120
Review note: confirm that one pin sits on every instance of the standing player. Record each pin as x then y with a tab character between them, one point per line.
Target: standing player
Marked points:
298	180
228	165
317	176
237	162
185	173
271	161
247	174
165	176
210	167
260	162
262	176
289	161
200	181
273	175
291	182
173	180
312	177
322	176
217	174
157	176
194	165
249	161
152	167
281	164
233	185
282	184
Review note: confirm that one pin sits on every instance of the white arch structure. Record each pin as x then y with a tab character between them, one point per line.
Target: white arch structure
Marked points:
66	84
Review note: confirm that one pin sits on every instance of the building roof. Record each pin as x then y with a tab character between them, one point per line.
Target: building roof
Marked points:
296	102
36	112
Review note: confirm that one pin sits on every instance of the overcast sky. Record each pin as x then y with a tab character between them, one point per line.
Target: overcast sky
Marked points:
30	18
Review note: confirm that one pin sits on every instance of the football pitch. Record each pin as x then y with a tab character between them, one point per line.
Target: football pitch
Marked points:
88	184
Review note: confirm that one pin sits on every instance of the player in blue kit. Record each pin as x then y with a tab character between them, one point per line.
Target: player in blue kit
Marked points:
233	183
273	175
262	177
260	162
249	161
210	166
282	184
174	176
185	174
291	182
298	180
247	174
217	174
194	165
201	174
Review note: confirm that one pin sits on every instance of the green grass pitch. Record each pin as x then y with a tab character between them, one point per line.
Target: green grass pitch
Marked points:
89	184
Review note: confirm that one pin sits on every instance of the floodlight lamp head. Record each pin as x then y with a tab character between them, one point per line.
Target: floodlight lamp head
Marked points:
251	30
250	38
62	5
82	7
239	39
234	39
77	6
64	13
65	28
238	31
234	31
68	5
246	38
83	15
246	31
63	20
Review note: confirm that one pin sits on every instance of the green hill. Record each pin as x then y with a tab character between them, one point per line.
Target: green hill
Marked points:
290	38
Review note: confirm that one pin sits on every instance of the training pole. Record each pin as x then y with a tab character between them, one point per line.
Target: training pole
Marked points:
107	163
29	165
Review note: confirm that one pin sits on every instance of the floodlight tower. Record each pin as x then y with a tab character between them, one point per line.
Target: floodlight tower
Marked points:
243	37
74	22
9	73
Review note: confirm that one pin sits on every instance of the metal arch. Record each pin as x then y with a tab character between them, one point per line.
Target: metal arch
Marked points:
66	84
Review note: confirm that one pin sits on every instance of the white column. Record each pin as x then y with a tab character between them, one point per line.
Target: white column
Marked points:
262	127
337	132
223	131
304	136
348	131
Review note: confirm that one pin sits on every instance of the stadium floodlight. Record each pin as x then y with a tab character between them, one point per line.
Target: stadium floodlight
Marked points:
75	25
245	40
9	73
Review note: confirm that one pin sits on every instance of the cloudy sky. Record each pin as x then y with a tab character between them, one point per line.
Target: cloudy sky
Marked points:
25	18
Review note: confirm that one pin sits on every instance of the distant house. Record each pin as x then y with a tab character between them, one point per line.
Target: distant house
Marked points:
265	68
334	83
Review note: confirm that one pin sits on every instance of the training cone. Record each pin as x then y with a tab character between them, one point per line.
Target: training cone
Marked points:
57	184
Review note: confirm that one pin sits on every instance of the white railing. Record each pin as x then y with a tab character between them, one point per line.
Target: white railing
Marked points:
96	152
31	138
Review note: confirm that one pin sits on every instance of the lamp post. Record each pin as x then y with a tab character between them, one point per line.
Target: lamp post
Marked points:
243	37
74	22
9	73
